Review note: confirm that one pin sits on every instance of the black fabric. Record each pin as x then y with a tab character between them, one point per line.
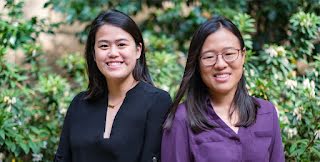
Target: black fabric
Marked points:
135	135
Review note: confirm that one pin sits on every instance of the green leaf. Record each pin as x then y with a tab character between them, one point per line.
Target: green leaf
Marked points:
10	145
24	147
34	147
2	134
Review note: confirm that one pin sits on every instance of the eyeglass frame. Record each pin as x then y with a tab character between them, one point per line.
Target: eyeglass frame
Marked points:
221	53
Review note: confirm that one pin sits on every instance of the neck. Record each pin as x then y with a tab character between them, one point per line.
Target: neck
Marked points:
119	88
222	105
222	102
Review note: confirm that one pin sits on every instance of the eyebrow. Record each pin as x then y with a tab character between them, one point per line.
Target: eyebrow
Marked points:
107	41
225	48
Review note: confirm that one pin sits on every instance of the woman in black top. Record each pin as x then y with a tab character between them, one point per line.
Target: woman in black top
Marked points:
119	117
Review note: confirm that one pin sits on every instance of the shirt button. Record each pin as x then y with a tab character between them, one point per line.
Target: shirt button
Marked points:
236	139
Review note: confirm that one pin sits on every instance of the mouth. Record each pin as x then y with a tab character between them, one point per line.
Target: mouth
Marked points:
114	63
222	77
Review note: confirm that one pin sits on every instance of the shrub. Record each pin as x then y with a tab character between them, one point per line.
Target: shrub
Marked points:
282	65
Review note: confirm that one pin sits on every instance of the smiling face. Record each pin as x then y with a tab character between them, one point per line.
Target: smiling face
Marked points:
221	78
116	52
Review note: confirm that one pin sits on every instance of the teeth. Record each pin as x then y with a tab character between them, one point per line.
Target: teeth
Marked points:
221	75
114	63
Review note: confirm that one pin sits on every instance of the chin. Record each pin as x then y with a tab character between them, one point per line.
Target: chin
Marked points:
221	90
117	76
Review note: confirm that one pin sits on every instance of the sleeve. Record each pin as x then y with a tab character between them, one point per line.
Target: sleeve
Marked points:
277	153
175	143
153	130
63	153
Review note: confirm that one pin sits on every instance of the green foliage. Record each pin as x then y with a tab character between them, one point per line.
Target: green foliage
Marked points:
299	122
163	64
168	76
75	69
282	65
33	99
15	31
276	74
246	26
306	27
86	11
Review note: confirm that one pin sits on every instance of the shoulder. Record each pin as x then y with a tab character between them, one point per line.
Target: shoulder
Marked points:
266	107
179	122
154	100
181	113
148	88
77	100
266	115
154	92
80	97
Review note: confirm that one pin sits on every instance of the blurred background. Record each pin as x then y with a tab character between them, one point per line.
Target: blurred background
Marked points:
42	65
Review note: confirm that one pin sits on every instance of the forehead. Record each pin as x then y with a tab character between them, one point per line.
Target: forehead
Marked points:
111	32
220	40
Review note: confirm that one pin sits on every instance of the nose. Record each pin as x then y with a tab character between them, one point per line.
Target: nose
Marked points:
220	63
113	51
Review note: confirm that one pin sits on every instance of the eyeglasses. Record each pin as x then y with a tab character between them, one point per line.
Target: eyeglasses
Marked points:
228	55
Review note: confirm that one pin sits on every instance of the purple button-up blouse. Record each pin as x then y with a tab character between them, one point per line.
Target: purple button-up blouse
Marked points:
259	142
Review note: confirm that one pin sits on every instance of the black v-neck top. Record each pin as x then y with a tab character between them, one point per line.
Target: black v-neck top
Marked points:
136	130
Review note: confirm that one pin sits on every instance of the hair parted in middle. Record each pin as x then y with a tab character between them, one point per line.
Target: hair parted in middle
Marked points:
196	92
97	82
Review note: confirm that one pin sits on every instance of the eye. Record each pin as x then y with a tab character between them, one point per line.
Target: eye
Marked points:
229	54
208	57
121	44
103	46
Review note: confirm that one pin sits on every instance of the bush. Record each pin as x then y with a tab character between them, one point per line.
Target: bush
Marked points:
282	65
33	99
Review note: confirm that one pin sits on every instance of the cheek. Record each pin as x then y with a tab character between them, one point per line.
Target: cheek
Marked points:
205	74
238	67
237	72
138	53
204	71
98	55
130	55
133	62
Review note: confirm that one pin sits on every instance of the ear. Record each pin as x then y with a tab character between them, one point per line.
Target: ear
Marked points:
243	52
139	50
93	52
94	55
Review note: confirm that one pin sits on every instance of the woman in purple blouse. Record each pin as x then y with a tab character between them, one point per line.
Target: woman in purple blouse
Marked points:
219	120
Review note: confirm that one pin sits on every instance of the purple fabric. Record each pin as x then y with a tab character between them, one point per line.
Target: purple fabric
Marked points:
258	143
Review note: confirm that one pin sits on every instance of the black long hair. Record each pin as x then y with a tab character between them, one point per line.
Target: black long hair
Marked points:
97	82
196	92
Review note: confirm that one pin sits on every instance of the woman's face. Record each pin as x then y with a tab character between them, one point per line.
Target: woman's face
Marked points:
223	76
116	52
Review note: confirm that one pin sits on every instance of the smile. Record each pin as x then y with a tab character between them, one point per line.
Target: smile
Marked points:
225	75
221	78
114	63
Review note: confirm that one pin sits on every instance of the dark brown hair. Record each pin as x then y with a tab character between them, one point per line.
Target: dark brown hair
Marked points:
196	92
97	82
